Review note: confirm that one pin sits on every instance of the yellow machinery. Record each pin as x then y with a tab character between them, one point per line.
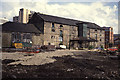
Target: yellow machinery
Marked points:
18	45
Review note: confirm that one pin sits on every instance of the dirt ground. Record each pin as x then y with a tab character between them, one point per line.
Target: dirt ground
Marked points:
81	64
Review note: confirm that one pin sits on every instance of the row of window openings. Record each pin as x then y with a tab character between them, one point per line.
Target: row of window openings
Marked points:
53	25
17	37
96	30
89	34
62	38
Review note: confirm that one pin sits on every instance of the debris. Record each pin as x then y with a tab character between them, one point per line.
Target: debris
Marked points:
69	69
57	64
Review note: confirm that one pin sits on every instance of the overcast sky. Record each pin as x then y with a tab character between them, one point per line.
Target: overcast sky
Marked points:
101	13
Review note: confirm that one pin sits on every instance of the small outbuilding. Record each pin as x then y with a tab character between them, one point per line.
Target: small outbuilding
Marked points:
13	32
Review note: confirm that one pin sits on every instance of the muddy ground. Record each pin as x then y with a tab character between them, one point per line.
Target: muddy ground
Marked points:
85	65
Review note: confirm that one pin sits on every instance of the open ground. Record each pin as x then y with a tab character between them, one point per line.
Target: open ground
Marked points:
81	64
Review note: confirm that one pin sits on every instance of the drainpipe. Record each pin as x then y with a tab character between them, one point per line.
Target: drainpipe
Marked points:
69	41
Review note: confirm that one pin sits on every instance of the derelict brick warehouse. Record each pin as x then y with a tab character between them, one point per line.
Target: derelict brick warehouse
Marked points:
52	30
59	30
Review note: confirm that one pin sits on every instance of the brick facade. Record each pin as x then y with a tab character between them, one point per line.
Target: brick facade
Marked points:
52	30
52	37
37	39
6	39
109	38
100	36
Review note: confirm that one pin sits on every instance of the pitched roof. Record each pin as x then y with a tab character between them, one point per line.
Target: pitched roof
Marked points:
94	26
67	21
19	27
57	19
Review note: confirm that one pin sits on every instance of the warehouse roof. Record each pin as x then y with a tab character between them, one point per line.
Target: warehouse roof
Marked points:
57	19
67	21
94	26
19	27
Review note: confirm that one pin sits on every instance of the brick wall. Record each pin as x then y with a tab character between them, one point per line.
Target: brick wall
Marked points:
53	37
6	39
37	39
100	37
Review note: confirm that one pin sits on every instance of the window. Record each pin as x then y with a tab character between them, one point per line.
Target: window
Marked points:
52	37
53	30
95	29
16	37
49	43
27	37
61	25
85	30
96	36
19	37
61	36
61	33
53	25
